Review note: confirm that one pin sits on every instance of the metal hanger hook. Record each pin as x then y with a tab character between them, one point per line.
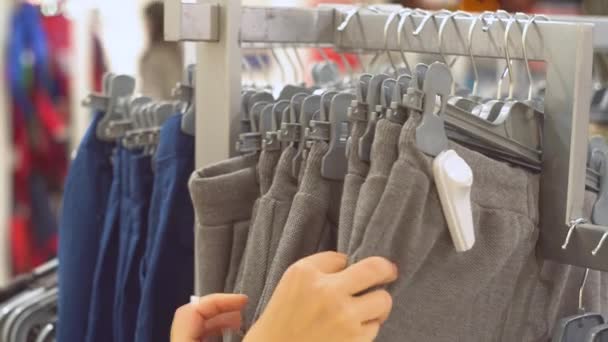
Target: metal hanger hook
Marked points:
600	244
512	20
440	37
430	15
525	49
344	25
387	25
581	290
480	17
407	14
279	64
573	225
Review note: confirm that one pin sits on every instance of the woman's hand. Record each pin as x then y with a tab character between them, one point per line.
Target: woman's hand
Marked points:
317	300
207	316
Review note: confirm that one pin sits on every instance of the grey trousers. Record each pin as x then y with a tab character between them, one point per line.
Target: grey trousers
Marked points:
357	171
265	169
223	196
265	231
312	222
383	154
442	295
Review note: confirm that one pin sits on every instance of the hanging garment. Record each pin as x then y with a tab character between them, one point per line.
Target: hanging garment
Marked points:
266	168
167	282
223	196
100	321
443	295
384	153
266	229
354	179
129	285
312	223
125	224
80	232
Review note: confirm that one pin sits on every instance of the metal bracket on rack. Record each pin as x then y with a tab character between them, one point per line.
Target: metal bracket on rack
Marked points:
192	20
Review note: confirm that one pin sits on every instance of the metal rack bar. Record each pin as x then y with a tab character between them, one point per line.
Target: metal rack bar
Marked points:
566	48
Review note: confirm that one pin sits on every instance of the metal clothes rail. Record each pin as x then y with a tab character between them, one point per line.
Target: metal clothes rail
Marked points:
565	47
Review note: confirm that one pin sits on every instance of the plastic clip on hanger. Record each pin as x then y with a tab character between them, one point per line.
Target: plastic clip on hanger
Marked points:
186	94
121	87
99	102
268	125
334	165
252	141
310	105
358	107
373	99
290	126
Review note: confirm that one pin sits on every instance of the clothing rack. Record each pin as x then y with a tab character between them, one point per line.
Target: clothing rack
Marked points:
567	98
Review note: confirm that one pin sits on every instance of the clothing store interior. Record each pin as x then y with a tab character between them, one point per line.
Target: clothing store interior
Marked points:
303	171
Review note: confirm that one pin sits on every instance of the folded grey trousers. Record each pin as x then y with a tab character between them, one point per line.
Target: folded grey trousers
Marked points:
357	171
265	169
383	154
312	222
443	295
223	196
265	231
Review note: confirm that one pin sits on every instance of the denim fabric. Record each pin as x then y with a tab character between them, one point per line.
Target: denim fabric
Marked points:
168	279
82	222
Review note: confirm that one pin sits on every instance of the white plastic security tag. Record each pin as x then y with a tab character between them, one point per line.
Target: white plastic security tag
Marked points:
454	179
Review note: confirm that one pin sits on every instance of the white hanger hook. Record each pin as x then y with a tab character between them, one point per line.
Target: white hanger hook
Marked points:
525	49
600	244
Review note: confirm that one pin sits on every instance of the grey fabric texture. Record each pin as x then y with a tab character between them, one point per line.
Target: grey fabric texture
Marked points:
443	295
266	168
270	219
357	171
312	222
383	154
223	196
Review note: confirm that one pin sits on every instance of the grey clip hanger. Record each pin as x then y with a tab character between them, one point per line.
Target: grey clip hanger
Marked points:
290	91
598	333
119	128
431	137
99	102
121	87
373	99
254	99
245	123
320	129
290	125
188	124
412	99
576	328
396	113
358	109
310	105
334	165
600	208
267	126
252	141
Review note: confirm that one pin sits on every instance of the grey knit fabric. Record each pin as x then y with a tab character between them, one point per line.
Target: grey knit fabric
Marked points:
223	196
357	171
265	232
312	222
442	295
266	168
384	153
